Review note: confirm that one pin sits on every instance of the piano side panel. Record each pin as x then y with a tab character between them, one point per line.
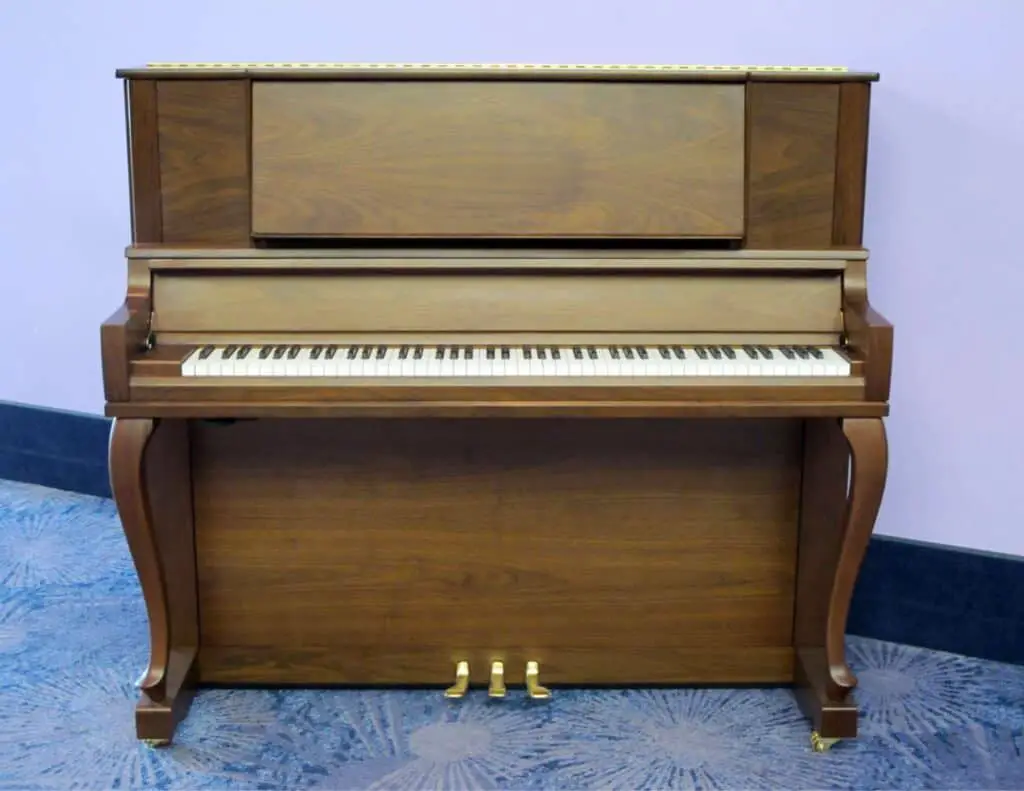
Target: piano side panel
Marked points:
144	161
792	165
460	303
610	551
204	161
851	164
498	159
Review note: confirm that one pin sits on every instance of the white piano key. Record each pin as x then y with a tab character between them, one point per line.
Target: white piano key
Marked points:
188	365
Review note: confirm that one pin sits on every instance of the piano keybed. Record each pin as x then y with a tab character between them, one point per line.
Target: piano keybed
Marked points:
412	361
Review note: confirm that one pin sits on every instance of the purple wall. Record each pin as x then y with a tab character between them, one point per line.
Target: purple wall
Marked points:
943	221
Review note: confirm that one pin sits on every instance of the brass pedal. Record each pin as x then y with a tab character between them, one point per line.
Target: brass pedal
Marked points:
458	689
821	744
533	687
496	689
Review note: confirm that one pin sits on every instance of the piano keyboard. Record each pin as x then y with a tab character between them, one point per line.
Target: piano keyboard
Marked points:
412	361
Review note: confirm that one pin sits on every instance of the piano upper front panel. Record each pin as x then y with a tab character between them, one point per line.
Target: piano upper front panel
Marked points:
204	163
765	164
498	159
792	161
515	303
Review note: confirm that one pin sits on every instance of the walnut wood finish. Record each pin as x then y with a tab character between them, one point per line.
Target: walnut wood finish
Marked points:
436	302
144	160
497	159
835	526
204	161
851	164
792	163
308	532
495	535
621	162
150	476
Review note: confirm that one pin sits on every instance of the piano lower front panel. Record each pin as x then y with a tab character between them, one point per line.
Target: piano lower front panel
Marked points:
382	552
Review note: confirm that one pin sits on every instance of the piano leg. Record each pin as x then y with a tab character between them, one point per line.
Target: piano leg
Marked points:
845	465
151	482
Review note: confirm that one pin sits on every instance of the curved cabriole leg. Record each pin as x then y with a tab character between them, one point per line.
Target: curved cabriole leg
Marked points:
836	523
151	484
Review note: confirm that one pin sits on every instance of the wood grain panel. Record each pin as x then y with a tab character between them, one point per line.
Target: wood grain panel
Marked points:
204	162
792	165
144	161
603	538
492	303
851	164
506	159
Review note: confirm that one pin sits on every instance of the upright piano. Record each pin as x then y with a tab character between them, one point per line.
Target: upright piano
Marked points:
497	378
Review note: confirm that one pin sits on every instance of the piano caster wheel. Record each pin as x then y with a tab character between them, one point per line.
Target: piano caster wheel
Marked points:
458	689
533	687
821	745
496	689
156	743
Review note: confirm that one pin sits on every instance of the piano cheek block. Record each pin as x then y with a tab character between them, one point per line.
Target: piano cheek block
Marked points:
601	428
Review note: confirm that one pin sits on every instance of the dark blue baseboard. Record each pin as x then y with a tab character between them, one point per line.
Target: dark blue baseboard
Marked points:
911	592
51	447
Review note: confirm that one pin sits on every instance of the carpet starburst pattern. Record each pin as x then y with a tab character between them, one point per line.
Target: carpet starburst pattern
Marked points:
73	638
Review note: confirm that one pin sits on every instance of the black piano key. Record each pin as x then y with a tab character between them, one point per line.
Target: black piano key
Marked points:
417	353
542	353
729	352
265	352
365	352
679	352
527	353
228	352
453	353
439	353
627	352
556	353
788	352
801	352
467	352
403	353
206	352
751	352
330	351
577	352
490	353
315	352
592	352
641	352
665	352
352	353
244	352
293	352
506	353
280	351
381	352
817	354
702	352
765	352
614	352
715	352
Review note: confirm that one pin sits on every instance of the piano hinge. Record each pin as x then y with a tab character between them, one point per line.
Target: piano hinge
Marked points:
150	340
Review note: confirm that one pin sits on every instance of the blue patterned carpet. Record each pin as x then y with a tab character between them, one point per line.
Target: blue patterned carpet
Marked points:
73	638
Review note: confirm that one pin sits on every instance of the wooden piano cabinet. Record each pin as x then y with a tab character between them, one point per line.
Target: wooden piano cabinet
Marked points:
383	552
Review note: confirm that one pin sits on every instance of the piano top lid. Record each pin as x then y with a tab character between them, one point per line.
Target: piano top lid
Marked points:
499	71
